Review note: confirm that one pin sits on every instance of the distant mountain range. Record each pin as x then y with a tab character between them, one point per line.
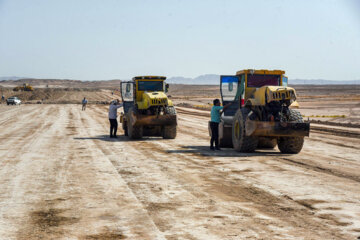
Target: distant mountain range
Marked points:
206	79
213	79
11	78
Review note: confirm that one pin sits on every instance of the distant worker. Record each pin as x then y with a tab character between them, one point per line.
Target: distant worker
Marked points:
2	98
114	105
214	123
84	102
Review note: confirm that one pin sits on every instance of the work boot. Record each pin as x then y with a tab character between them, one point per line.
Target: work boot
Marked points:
212	148
217	148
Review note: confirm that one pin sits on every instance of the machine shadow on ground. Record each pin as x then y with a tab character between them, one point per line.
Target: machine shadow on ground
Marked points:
225	152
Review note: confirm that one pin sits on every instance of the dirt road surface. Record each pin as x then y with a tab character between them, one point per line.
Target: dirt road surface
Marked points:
62	178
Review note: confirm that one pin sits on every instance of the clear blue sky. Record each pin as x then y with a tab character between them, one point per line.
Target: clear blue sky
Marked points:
117	39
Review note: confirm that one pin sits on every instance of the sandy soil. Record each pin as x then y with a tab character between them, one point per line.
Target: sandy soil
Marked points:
63	178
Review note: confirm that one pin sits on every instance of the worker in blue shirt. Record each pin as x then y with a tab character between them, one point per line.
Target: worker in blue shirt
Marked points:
214	123
84	102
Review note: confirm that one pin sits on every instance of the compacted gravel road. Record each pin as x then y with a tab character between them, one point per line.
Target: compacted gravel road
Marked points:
62	178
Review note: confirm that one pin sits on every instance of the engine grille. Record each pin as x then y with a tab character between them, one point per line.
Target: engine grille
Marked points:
279	95
160	101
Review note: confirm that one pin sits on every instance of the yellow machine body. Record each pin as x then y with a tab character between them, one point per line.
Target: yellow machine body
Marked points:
259	114
147	99
258	97
24	87
148	111
267	94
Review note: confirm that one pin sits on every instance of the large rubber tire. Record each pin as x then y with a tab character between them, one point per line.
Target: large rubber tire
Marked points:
170	110
225	141
133	132
125	128
267	143
169	132
241	142
292	144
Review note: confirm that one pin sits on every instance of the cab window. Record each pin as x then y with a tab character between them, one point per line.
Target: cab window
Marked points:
150	85
259	80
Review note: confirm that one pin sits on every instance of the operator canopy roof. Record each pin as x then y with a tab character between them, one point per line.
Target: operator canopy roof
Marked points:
261	71
149	78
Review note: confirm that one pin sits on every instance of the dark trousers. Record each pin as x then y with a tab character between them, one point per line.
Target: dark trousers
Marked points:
113	127
214	134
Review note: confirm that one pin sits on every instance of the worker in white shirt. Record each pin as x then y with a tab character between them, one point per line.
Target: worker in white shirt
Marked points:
114	105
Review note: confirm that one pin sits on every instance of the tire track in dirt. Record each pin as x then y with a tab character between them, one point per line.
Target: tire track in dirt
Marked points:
7	111
51	214
152	148
300	163
344	173
248	190
24	133
14	172
336	132
335	143
8	117
342	144
157	207
319	169
139	224
188	129
188	112
15	124
267	203
77	198
317	129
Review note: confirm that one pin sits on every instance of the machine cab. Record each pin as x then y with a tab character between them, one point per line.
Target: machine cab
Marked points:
254	79
232	89
132	90
127	90
149	84
235	89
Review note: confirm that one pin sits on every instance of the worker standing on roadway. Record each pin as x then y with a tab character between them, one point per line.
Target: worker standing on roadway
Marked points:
84	102
214	123
114	105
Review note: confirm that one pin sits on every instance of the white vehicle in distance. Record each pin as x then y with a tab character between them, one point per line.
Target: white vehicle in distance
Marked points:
13	101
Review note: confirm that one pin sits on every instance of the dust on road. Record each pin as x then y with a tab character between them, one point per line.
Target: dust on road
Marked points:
62	177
